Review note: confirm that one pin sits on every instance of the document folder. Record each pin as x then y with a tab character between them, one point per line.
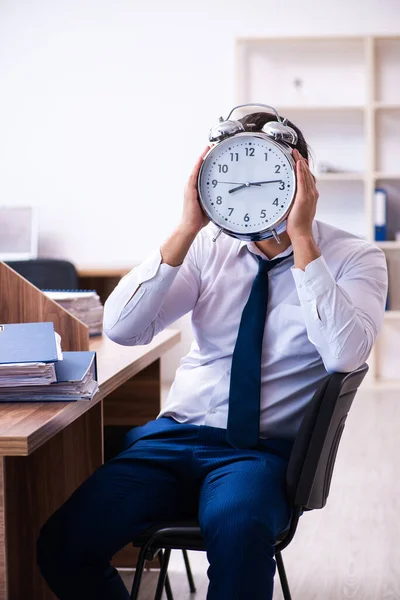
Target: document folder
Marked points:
28	343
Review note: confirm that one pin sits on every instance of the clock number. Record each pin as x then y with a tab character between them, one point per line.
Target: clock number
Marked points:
249	151
234	156
266	155
231	209
223	168
246	217
263	214
214	182
219	199
282	185
276	202
277	168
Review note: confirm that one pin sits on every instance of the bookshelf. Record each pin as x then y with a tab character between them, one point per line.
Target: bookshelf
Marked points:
343	94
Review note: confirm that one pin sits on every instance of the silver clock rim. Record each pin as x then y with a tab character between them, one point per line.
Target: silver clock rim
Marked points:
267	232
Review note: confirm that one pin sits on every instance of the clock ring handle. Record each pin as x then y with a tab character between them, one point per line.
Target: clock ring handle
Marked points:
256	104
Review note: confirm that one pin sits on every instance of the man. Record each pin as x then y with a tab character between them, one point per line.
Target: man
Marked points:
220	447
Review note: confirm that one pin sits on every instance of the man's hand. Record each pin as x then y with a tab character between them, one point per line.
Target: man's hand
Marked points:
300	219
193	217
299	222
175	248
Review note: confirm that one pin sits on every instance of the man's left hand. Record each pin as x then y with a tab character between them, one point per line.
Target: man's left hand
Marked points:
299	221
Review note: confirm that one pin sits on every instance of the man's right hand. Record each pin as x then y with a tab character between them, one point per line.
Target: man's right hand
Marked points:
175	248
193	217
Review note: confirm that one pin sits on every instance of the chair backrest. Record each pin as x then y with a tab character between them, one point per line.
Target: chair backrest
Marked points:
47	273
314	451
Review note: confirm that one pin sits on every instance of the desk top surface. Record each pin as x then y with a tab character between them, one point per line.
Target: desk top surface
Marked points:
26	426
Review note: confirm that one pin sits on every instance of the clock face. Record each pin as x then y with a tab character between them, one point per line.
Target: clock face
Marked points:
247	184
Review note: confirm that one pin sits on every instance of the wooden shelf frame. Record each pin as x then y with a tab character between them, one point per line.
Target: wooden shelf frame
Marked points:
340	176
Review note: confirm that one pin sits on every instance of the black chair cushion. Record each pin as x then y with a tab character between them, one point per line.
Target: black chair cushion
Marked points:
178	535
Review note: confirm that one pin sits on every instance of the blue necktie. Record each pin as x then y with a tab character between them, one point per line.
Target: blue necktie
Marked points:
245	384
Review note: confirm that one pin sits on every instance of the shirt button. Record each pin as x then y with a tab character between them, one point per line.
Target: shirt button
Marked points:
213	411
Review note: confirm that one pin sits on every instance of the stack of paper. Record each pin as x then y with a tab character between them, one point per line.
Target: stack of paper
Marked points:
76	379
85	305
33	368
17	374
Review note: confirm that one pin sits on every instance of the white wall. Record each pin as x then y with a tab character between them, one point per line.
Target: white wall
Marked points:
104	106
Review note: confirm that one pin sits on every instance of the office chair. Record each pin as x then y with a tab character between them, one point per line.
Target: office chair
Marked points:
47	273
308	480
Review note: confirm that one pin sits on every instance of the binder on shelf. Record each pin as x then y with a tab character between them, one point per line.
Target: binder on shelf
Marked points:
380	214
76	379
67	292
28	343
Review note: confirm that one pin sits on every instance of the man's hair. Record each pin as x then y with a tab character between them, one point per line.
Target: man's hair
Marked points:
256	121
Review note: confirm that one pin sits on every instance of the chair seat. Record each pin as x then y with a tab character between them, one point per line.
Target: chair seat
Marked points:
178	535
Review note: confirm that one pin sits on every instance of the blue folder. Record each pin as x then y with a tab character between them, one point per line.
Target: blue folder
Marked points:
27	342
74	366
380	214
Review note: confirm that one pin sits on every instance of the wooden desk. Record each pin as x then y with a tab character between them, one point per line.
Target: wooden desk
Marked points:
48	449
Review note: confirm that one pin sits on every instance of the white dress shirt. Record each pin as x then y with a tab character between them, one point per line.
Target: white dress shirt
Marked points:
325	318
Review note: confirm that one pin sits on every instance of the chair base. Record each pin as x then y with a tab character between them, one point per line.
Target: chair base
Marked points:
282	576
150	549
147	552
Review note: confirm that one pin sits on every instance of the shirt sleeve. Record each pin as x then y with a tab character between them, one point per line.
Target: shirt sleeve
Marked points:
149	298
343	317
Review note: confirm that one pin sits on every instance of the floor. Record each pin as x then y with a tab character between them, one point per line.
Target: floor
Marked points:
351	548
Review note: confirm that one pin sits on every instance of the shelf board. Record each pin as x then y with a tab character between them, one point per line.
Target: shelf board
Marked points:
340	176
381	175
386	106
320	107
308	40
382	384
390	245
392	314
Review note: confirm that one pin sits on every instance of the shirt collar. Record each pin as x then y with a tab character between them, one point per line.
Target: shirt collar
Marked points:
253	248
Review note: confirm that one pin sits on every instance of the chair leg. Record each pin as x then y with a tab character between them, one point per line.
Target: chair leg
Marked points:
163	574
188	571
282	576
168	589
138	573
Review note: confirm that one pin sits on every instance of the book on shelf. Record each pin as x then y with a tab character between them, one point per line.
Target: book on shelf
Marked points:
85	305
380	214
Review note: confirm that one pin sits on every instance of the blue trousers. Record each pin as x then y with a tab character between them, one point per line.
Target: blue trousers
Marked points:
172	471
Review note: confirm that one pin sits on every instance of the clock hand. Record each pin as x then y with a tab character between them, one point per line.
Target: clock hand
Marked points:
237	182
248	184
240	187
271	181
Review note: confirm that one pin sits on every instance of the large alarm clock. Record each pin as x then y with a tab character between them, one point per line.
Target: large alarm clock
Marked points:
247	180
